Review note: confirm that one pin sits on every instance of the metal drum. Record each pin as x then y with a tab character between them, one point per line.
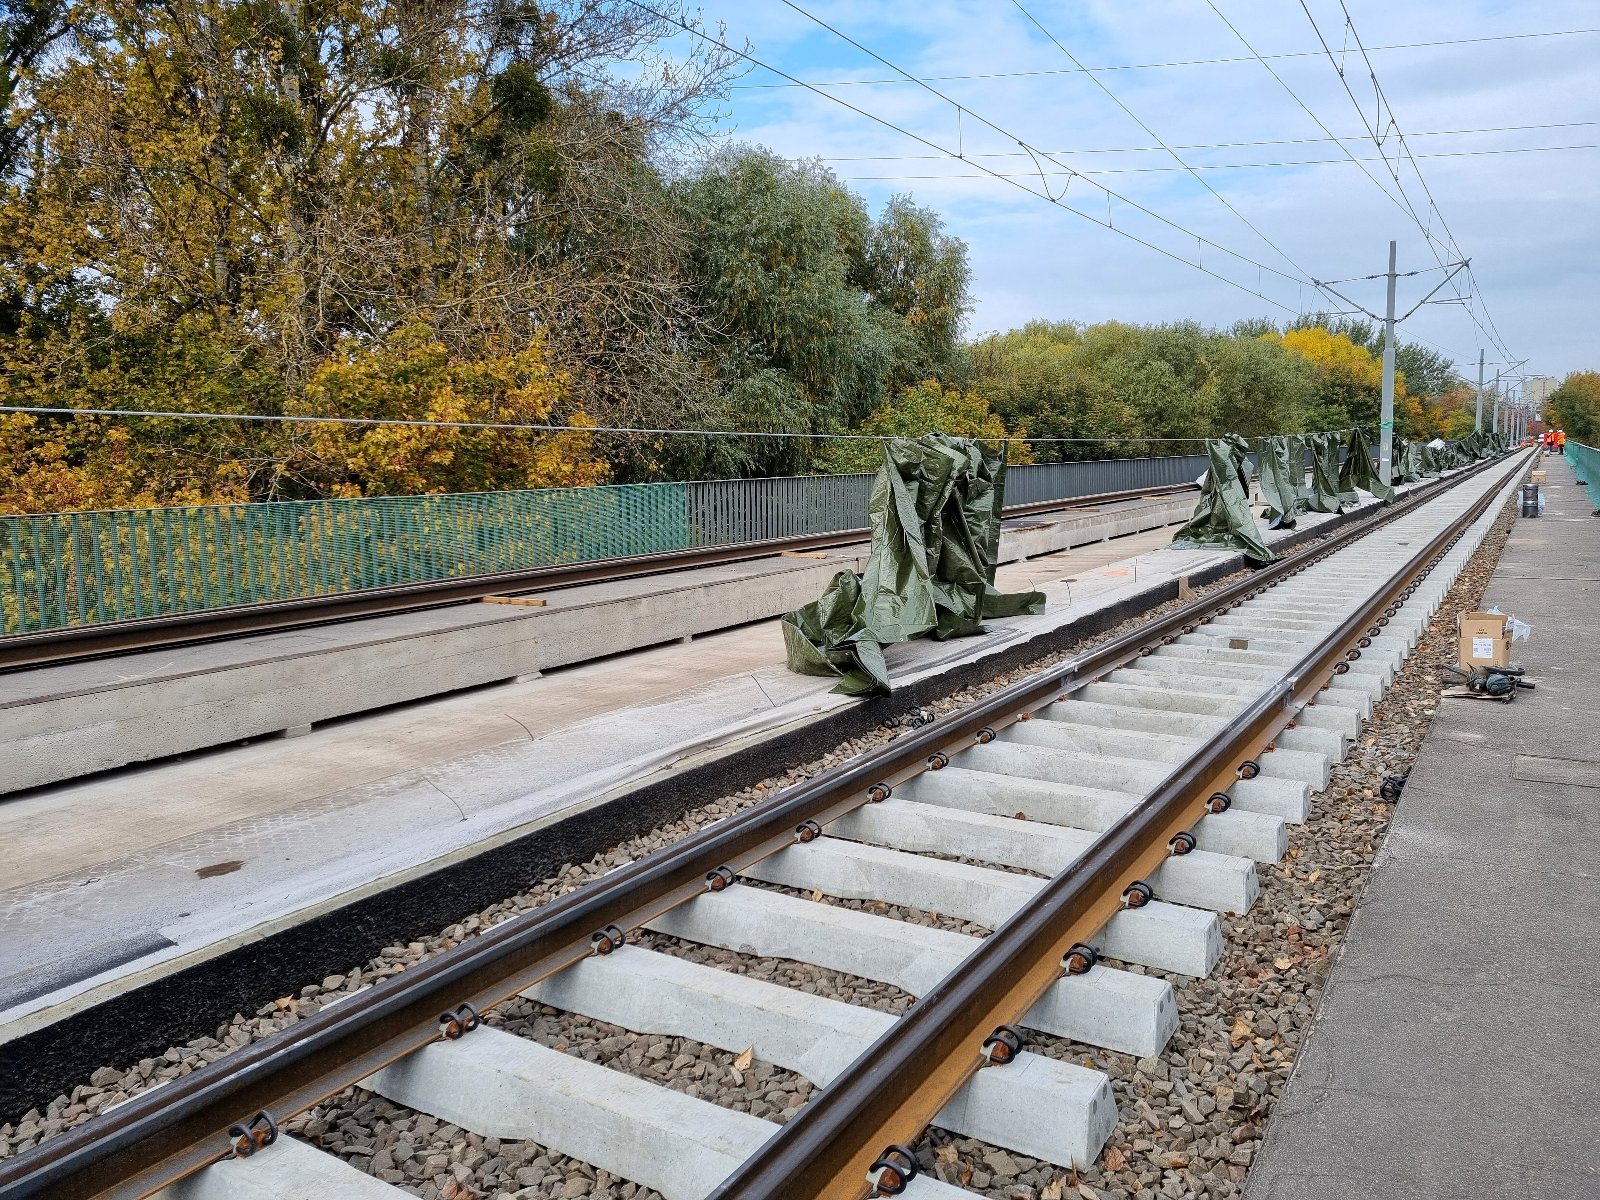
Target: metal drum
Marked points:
1530	499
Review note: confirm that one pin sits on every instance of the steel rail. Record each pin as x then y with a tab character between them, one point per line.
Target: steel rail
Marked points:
891	1093
164	1134
22	650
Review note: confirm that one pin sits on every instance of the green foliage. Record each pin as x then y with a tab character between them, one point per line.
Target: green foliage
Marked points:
1575	407
795	277
926	407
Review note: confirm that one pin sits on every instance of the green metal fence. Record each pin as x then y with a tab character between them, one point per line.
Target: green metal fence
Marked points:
1585	462
60	570
67	569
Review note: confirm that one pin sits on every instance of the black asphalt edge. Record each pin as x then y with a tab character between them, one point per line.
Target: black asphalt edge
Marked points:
192	1002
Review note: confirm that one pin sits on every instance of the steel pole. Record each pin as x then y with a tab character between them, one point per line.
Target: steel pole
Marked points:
1386	421
1477	423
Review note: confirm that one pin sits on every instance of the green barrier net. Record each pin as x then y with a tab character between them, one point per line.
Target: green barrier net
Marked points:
70	569
1585	462
935	516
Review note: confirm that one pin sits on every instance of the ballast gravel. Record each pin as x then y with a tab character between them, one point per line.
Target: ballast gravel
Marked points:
1190	1119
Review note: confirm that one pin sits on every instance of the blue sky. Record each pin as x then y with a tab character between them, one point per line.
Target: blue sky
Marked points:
1527	220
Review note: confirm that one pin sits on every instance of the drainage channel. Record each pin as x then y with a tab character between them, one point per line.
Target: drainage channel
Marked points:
1102	813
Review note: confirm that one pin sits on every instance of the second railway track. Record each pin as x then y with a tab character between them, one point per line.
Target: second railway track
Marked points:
98	640
1101	812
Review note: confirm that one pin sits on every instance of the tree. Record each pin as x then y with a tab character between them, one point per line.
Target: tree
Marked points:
1575	407
276	191
912	267
818	312
1349	388
927	407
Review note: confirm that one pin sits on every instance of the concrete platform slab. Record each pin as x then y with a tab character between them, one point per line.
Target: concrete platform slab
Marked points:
65	721
1457	1049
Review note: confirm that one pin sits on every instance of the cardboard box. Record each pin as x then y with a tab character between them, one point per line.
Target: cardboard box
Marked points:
1485	640
1538	477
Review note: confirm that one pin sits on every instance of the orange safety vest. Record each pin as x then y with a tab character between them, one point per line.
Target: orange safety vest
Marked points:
1561	438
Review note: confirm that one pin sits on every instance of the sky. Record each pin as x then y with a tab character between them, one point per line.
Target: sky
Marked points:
1526	220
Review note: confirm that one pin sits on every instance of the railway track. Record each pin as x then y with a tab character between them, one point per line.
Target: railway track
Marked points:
1097	815
21	651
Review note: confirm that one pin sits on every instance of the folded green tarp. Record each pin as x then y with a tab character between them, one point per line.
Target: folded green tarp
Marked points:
1324	496
1407	465
1223	520
1358	472
935	516
1281	462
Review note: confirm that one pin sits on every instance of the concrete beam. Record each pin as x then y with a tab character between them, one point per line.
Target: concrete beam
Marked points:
288	1169
1133	1014
1201	878
1046	1108
1240	832
1168	937
978	894
503	1086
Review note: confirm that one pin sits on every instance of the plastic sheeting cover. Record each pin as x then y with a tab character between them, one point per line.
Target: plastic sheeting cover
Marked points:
1283	472
935	517
1358	472
1324	497
1223	520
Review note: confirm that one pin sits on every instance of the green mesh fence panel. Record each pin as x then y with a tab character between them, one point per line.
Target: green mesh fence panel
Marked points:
1585	462
67	569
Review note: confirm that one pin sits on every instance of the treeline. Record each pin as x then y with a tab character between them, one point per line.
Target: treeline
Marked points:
496	211
1575	407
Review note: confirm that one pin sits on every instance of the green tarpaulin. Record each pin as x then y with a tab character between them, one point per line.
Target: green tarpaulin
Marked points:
935	516
1281	463
1223	520
1358	471
1324	496
1407	464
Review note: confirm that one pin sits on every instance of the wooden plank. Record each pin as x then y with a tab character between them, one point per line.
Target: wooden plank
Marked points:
529	601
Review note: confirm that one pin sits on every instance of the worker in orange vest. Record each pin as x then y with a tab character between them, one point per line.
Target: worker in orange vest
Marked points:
1561	441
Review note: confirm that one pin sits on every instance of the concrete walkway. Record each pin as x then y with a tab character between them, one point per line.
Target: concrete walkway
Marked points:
1456	1053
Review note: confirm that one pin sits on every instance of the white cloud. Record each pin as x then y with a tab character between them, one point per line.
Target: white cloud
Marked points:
1526	220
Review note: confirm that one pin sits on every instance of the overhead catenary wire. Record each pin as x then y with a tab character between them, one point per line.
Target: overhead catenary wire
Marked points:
1191	168
1305	141
1178	158
1187	62
1427	191
539	427
1377	136
1041	195
1402	202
